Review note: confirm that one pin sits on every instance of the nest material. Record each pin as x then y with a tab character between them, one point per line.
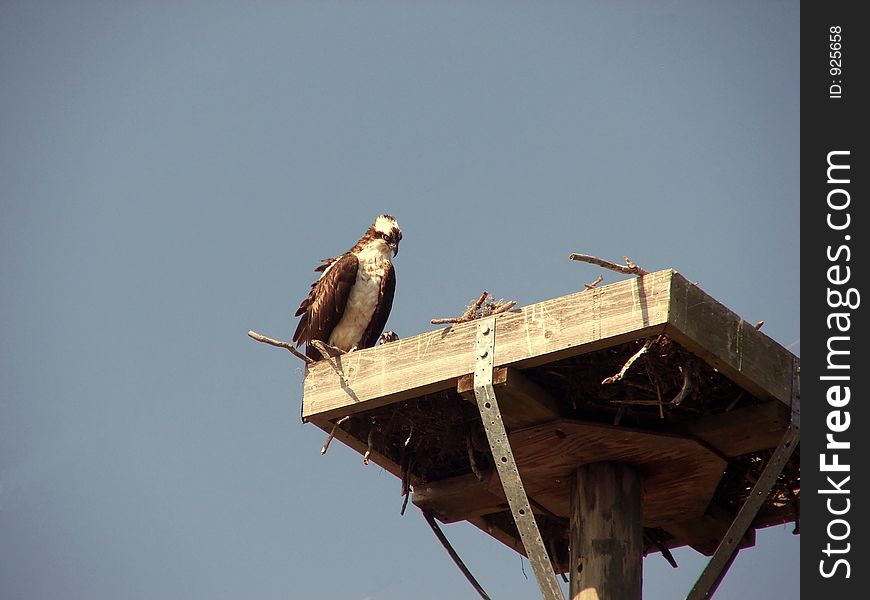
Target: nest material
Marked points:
433	435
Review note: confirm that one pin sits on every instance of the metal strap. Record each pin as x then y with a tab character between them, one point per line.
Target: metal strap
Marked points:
506	466
726	551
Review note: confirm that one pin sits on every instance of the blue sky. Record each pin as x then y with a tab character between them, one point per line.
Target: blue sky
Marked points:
171	173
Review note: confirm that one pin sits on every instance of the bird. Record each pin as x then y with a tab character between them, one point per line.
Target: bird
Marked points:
348	306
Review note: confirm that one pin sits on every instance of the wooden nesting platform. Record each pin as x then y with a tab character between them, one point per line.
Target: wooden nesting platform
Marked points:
699	413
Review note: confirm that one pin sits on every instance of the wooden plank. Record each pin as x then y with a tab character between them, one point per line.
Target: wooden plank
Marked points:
522	402
536	334
743	430
728	343
680	474
462	497
704	533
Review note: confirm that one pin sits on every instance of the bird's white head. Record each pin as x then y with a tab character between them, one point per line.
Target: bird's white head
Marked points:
387	228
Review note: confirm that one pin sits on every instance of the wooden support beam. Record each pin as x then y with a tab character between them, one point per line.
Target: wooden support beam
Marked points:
742	430
606	533
462	497
523	403
704	533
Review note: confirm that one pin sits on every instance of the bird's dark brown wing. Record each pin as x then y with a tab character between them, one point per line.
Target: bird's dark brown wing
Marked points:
322	309
382	310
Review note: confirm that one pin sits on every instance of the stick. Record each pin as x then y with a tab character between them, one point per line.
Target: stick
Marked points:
628	269
471	460
468	315
684	391
328	352
498	308
594	284
554	559
369	448
280	344
629	362
446	543
406	485
332	434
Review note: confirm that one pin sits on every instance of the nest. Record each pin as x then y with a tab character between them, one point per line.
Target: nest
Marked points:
440	435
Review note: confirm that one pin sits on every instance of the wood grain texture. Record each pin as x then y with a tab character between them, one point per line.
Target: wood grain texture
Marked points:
680	474
536	334
606	533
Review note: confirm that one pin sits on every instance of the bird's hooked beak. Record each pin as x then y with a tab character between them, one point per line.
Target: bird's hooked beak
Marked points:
394	246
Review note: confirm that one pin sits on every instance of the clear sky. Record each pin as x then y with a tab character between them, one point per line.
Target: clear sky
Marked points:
171	173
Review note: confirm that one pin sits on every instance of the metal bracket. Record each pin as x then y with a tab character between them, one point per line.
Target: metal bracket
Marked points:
506	466
726	551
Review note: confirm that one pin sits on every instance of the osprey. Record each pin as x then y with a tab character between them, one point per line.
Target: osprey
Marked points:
348	306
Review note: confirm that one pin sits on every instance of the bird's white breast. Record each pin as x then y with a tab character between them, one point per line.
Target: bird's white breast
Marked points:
374	260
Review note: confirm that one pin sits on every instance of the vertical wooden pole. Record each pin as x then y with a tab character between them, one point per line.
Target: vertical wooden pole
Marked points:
606	532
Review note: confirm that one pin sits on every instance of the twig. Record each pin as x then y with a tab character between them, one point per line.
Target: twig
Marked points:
629	362
410	433
628	269
280	344
594	284
446	543
739	397
684	391
554	558
369	446
328	352
332	434
468	315
406	484
666	554
496	308
471	460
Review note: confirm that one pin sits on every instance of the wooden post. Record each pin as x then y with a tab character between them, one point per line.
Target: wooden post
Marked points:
606	532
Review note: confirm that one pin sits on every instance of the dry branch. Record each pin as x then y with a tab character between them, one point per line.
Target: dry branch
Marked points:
478	310
629	362
473	463
368	446
594	284
328	352
280	344
629	268
332	434
684	391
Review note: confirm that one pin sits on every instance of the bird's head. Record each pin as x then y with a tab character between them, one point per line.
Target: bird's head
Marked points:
387	228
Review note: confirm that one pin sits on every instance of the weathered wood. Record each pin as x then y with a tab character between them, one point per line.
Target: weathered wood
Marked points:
522	402
733	346
606	533
462	497
536	334
704	533
680	474
735	433
742	430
